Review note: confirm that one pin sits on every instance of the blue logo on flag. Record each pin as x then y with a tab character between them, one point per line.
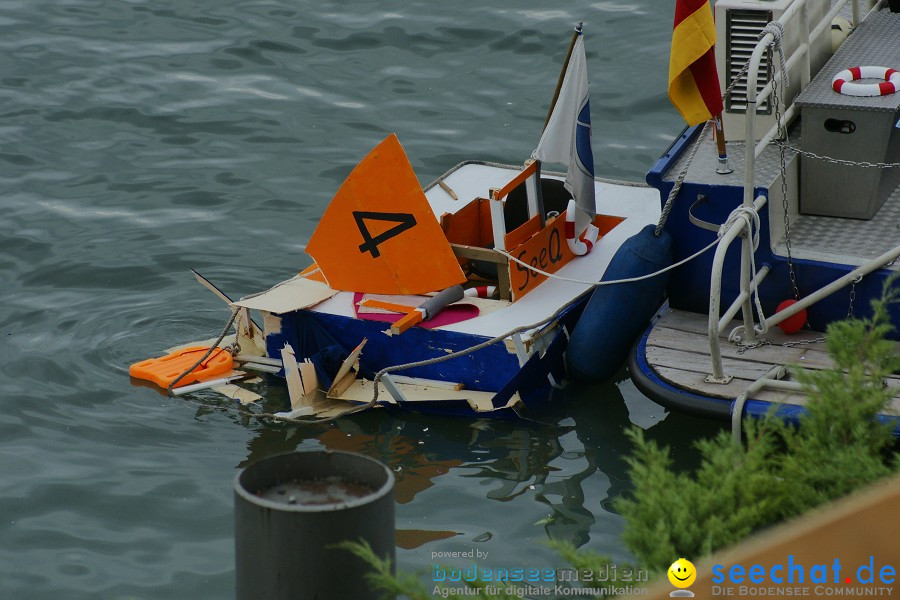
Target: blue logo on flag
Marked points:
583	139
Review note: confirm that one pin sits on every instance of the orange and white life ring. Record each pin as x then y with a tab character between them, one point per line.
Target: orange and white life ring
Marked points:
579	245
843	81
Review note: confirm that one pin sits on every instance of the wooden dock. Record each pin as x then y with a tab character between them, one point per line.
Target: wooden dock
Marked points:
678	351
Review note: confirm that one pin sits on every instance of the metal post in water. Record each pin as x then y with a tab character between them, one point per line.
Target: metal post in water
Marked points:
291	509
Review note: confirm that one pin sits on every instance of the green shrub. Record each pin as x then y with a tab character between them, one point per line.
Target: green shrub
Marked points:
781	470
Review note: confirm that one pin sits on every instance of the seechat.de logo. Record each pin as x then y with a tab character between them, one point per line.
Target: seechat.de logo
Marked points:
793	572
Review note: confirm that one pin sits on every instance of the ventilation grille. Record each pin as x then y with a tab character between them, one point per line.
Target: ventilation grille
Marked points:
744	27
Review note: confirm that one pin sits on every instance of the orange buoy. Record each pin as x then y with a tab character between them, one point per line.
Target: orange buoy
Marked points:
164	370
794	323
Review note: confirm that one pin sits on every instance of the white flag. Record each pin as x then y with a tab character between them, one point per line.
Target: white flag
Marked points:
567	137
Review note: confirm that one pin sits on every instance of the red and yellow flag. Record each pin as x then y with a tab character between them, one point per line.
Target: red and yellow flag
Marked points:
693	81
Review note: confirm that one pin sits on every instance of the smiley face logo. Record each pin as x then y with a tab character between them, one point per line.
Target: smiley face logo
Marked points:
682	573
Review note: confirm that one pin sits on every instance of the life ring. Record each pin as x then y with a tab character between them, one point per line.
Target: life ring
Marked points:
843	81
481	291
579	245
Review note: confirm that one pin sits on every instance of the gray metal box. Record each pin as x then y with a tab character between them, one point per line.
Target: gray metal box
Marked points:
860	129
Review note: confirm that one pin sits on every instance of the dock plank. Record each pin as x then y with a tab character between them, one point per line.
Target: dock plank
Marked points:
690	361
694	382
680	320
678	351
805	356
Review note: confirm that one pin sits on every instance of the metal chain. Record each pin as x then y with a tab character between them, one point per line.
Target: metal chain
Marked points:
741	348
838	161
782	132
762	342
818	340
852	296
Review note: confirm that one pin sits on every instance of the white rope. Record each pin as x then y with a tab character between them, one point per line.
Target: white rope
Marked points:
612	281
752	223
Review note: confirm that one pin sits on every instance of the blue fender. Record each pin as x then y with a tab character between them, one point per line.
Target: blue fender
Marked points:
615	315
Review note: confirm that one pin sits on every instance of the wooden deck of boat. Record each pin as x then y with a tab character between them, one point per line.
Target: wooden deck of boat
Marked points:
678	351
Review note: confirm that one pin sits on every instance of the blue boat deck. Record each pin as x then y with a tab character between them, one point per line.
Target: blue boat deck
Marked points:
812	237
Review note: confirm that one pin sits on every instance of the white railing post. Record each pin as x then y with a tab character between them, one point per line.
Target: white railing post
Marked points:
805	73
533	192
498	221
715	293
715	298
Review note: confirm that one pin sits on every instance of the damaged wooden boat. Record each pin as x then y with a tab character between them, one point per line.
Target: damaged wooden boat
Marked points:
458	298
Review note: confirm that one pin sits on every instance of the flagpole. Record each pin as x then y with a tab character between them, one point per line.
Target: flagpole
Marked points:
723	168
562	74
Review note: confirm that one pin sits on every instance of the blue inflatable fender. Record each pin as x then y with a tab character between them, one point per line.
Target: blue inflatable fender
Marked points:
616	314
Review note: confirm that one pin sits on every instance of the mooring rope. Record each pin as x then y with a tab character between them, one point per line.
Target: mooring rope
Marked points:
610	281
777	31
676	187
234	314
752	223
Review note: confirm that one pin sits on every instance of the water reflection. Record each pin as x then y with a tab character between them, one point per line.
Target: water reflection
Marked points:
570	463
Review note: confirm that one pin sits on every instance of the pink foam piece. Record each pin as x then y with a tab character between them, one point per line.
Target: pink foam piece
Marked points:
452	314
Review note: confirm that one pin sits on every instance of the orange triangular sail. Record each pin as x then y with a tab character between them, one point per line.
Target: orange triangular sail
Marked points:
379	235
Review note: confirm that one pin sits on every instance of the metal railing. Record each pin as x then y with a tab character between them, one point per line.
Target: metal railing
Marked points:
795	16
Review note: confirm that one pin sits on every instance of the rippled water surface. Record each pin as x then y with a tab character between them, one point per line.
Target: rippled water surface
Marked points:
140	139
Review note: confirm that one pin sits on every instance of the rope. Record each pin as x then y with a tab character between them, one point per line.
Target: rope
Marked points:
234	314
542	322
469	350
676	187
777	31
611	281
752	222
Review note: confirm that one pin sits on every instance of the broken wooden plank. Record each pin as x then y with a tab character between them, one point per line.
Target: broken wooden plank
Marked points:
294	294
363	390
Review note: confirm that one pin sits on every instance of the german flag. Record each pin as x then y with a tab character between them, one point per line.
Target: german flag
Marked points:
693	81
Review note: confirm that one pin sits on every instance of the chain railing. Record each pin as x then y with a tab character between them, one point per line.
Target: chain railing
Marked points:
795	16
